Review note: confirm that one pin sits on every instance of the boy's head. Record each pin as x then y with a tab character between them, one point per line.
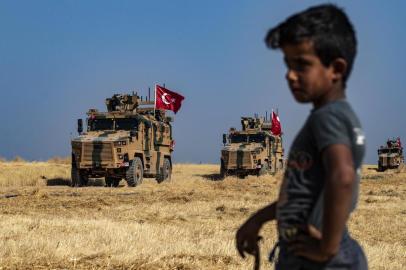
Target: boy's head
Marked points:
322	30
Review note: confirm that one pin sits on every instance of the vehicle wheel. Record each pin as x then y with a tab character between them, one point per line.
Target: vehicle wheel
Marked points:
77	178
74	176
241	175
167	170
135	173
166	173
84	180
223	170
264	169
280	164
112	181
116	182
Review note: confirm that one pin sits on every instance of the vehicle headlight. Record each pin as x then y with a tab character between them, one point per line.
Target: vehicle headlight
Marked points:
119	143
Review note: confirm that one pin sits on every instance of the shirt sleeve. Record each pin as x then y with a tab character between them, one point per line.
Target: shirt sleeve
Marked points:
328	129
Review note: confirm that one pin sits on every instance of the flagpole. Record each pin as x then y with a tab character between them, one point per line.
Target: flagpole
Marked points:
154	100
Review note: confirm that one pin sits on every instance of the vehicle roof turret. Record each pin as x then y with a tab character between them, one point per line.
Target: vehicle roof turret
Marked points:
254	125
130	105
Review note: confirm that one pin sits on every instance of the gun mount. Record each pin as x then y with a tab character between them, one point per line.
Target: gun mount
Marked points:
126	103
130	105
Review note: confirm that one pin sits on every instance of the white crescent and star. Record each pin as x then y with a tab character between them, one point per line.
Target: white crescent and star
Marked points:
164	100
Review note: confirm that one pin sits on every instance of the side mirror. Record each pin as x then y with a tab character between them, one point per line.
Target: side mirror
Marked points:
224	139
80	126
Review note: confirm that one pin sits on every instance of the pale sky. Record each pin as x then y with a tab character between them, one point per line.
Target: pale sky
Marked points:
60	58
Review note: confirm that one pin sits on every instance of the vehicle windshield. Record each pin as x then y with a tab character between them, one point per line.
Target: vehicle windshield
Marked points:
126	123
388	151
245	138
98	124
257	138
238	138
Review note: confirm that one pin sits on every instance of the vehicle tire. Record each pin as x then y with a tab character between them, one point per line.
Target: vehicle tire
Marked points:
112	181
135	173
241	175
264	169
166	173
167	170
116	182
280	165
74	176
77	178
223	170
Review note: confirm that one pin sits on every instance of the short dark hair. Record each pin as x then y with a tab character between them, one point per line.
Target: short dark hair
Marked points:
327	26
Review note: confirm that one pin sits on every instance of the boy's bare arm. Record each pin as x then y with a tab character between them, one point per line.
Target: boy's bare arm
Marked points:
340	177
247	234
340	172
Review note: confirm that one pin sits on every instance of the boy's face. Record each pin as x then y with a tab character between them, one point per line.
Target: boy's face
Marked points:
308	79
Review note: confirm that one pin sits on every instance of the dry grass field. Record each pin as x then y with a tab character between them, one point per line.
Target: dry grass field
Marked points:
188	223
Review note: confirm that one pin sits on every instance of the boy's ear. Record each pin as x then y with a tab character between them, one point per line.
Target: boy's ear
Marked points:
339	69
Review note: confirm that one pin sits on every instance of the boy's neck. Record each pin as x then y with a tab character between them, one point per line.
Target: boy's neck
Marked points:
336	93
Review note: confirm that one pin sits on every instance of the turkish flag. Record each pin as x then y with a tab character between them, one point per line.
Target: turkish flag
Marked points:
166	99
276	128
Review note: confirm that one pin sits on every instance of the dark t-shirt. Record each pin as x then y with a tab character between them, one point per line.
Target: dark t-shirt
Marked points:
301	196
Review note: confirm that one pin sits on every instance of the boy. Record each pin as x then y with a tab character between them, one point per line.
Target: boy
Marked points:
320	185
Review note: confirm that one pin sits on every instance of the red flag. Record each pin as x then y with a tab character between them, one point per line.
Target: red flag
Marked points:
167	100
276	128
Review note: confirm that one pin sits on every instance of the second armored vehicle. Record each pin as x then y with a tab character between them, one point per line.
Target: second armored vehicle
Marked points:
390	156
131	140
252	151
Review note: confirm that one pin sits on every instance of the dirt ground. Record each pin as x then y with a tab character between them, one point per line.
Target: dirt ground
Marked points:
188	223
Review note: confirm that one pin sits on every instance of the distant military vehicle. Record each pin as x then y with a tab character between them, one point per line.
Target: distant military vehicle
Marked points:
390	156
131	140
252	151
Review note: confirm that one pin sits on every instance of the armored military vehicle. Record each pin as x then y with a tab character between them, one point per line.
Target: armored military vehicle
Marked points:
254	150
130	141
390	156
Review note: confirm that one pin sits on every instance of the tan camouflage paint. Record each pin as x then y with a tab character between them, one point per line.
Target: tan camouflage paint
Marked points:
390	156
243	158
109	152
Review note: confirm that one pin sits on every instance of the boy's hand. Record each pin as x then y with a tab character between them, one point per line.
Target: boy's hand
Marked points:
247	235
308	245
247	238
